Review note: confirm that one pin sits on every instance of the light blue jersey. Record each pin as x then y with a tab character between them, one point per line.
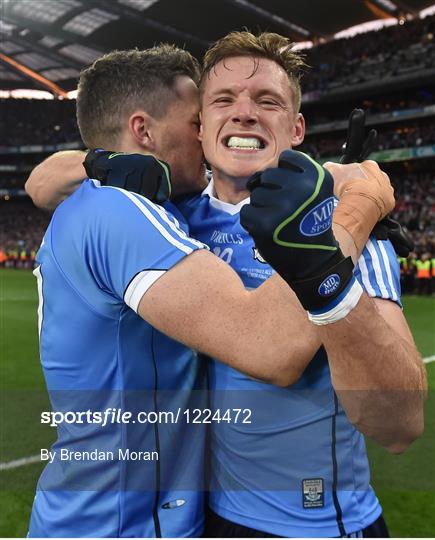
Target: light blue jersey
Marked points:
300	468
103	249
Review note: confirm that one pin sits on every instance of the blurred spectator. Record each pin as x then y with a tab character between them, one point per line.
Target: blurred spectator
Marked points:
28	121
22	226
409	134
379	55
423	265
415	209
385	53
322	113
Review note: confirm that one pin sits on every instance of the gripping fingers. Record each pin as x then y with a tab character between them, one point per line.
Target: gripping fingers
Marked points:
264	197
291	160
250	216
254	181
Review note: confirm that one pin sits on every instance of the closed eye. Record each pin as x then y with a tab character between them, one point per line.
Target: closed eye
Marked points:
270	102
223	99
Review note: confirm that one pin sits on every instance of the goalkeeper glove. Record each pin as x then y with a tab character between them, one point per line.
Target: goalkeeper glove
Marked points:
357	148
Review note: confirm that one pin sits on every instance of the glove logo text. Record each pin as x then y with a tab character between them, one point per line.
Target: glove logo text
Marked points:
329	285
319	219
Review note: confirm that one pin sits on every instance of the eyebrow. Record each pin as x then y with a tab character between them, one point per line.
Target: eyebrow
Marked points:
261	93
271	92
224	90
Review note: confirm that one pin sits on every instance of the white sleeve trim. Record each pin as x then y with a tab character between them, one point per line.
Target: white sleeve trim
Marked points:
176	237
139	286
377	268
387	266
365	276
38	274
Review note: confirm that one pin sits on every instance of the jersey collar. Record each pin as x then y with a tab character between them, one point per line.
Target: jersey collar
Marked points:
229	208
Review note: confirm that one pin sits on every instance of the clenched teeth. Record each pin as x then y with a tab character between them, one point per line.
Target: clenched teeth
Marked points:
248	143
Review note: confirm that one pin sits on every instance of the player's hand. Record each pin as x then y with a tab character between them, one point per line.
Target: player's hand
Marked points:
290	219
363	180
389	229
356	149
140	173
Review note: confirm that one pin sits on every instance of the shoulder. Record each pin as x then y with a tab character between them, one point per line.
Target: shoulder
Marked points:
187	205
110	213
113	204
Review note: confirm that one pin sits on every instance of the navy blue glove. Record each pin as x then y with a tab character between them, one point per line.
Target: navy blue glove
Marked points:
140	173
290	219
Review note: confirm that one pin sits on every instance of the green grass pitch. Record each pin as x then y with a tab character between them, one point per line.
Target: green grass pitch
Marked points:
405	484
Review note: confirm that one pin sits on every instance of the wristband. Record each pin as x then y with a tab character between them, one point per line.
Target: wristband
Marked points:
320	290
340	307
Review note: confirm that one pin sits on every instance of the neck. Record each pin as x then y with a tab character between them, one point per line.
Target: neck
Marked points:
230	189
127	143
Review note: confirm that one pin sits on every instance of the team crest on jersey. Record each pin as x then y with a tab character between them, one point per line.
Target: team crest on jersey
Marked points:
313	493
257	256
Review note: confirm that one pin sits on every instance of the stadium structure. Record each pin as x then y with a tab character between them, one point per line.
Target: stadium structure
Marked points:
378	55
387	71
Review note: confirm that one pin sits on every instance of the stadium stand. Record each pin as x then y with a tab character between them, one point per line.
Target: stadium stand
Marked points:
23	227
403	116
404	135
386	54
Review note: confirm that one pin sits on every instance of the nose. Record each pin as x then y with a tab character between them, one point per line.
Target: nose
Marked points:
244	113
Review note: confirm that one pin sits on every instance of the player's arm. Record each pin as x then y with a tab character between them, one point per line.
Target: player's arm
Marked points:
376	368
264	333
378	372
61	174
202	303
57	177
370	351
139	255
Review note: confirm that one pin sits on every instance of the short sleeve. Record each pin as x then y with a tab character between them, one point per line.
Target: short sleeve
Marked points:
132	242
378	270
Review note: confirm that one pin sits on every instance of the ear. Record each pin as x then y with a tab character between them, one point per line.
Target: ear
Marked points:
298	132
141	130
200	126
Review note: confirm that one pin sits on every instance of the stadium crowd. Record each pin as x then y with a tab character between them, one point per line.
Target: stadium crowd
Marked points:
344	61
29	122
23	227
415	209
410	134
386	53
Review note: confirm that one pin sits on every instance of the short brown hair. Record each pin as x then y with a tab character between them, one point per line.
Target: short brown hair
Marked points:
265	45
119	82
